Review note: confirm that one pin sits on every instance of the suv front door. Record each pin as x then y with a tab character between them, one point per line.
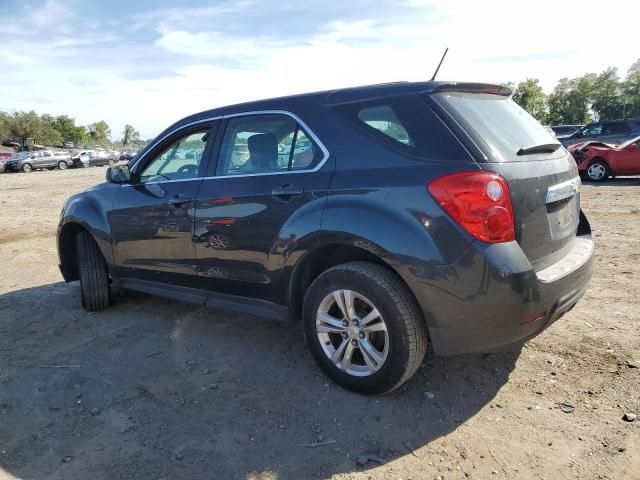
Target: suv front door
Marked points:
152	217
266	193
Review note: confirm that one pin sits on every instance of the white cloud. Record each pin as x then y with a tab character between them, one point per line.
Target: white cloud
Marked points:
196	68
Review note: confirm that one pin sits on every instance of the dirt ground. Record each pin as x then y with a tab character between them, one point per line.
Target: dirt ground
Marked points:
154	388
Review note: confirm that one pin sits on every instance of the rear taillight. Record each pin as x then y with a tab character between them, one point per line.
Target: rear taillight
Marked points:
479	202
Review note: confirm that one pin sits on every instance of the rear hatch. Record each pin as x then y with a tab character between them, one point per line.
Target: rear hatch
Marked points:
542	175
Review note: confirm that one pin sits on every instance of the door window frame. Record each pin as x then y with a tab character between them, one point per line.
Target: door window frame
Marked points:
215	158
160	146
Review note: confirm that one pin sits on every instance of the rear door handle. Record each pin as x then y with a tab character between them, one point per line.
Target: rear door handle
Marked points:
287	191
179	201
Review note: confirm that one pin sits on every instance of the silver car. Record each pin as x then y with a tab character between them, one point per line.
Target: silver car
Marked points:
28	161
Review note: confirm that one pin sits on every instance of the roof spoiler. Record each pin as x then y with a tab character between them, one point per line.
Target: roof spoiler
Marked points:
474	88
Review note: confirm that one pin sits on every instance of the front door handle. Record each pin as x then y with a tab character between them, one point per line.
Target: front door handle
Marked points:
286	191
179	201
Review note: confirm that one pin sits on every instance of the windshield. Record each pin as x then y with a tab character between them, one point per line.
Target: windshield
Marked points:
500	122
624	145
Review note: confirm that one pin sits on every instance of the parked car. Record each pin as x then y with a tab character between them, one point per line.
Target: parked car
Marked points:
608	131
68	145
4	156
128	154
38	160
598	161
562	131
409	222
92	158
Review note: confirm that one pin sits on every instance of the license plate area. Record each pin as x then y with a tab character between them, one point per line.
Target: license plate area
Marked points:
563	217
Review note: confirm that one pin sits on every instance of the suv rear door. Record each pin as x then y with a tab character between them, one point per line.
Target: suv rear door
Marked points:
544	185
152	216
266	192
615	132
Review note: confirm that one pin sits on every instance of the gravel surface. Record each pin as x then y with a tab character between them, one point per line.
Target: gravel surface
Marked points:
153	388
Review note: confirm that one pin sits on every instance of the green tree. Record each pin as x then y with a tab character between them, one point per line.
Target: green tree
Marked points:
99	132
4	126
23	125
607	95
68	129
530	96
570	101
631	90
130	135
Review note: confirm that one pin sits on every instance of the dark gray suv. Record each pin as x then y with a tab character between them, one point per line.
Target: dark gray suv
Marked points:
614	132
389	219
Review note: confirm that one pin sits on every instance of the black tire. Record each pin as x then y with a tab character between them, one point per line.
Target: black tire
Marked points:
598	165
404	321
27	168
94	276
62	165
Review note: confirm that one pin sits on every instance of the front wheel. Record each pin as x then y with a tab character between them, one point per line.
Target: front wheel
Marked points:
94	276
364	328
62	165
26	168
598	171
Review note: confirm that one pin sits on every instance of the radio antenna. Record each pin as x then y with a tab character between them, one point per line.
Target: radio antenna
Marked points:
441	60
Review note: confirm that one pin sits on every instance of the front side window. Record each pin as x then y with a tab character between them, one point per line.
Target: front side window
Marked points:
593	129
180	161
266	143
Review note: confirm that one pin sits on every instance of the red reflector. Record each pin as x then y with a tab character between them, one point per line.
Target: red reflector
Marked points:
479	202
532	317
223	221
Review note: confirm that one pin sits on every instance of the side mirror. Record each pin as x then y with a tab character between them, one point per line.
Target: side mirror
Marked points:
118	174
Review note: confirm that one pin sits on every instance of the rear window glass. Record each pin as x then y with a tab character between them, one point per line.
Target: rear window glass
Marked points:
405	123
499	121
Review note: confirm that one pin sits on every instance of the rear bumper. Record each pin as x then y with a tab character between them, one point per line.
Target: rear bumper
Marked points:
495	301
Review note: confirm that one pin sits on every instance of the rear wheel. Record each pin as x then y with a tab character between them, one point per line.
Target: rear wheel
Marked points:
26	168
62	165
94	276
598	171
364	328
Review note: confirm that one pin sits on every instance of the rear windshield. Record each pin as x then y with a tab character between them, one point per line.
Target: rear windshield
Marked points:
499	121
407	124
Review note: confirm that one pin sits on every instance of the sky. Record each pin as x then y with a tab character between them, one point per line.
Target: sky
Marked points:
150	62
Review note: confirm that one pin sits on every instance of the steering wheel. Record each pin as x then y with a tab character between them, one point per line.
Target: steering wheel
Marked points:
188	171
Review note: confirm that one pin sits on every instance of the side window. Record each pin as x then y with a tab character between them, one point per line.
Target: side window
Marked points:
593	129
384	119
407	124
265	143
180	161
615	128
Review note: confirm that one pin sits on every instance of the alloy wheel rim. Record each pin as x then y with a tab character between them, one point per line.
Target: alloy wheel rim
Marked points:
218	241
26	168
352	333
62	166
596	172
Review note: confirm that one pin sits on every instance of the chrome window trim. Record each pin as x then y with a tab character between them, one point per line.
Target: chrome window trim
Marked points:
157	142
304	127
300	122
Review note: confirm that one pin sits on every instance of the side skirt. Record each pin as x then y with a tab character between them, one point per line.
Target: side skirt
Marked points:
222	301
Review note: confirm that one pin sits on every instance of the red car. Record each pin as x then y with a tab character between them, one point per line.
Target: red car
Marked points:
597	161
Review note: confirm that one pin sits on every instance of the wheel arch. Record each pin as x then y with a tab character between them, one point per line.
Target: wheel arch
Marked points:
67	251
327	256
82	216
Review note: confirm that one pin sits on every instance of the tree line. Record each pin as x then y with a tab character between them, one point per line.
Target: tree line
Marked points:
580	100
49	130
